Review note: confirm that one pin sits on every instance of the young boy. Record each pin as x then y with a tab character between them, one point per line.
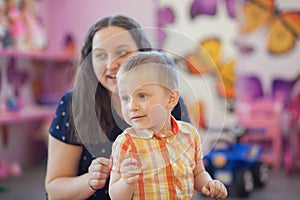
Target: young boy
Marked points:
158	157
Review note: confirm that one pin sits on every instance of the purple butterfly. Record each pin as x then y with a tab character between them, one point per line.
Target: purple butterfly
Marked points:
249	87
165	16
244	48
209	7
281	90
15	77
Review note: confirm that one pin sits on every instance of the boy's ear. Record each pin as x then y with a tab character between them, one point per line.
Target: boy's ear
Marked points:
173	99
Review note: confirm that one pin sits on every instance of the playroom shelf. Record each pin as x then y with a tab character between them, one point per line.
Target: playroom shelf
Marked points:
44	76
27	114
31	85
36	80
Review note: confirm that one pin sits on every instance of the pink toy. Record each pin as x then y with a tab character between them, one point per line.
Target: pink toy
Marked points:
292	154
3	170
16	25
9	169
36	35
15	169
264	115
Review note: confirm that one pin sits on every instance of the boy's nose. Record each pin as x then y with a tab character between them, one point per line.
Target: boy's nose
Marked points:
133	105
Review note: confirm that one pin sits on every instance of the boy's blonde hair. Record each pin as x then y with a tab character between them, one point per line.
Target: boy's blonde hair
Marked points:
164	68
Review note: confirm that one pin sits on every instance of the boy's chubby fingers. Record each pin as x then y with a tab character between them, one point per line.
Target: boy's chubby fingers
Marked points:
130	161
130	166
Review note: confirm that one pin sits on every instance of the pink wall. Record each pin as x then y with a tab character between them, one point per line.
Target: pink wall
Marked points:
76	16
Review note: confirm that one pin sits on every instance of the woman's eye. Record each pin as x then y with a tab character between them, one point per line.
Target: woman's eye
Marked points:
100	56
122	53
125	98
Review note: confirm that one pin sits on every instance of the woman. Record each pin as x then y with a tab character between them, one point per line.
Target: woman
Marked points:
72	171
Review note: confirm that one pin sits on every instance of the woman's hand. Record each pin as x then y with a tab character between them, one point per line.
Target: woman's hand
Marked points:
98	173
130	171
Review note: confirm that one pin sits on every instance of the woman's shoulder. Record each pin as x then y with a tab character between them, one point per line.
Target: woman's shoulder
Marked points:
65	99
67	95
61	127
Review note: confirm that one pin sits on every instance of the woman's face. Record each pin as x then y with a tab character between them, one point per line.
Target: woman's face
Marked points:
111	47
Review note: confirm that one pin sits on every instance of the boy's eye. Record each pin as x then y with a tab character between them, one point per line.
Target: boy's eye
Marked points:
142	95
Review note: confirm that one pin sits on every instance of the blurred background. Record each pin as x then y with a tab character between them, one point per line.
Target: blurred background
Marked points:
238	62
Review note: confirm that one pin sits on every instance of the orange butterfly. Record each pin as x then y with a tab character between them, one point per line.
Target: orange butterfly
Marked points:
207	56
204	59
284	27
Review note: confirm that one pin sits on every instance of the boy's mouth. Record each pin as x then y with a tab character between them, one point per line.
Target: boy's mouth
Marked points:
137	117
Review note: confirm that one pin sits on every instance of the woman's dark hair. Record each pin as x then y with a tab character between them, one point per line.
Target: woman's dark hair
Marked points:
88	78
121	21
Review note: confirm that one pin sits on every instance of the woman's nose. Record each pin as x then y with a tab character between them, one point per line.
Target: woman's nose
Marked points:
112	63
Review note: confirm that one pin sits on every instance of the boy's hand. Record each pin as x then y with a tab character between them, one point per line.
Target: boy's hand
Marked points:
215	189
130	171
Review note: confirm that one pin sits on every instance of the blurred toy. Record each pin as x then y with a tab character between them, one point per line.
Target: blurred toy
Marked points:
9	169
36	35
16	25
2	189
16	79
3	170
266	114
292	153
256	108
5	37
69	46
238	166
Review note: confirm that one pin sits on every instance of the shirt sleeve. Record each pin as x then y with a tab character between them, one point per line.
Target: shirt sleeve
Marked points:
198	146
60	126
121	150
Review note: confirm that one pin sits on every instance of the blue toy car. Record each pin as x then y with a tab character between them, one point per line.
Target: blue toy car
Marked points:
237	165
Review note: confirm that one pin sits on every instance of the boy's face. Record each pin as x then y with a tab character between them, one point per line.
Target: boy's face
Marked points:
145	103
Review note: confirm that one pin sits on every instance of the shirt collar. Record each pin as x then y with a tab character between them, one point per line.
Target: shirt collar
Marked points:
148	134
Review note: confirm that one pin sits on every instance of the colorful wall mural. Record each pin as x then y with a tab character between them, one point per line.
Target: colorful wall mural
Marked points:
203	34
253	45
239	64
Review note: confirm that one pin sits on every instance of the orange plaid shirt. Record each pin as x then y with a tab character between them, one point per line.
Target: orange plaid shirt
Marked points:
167	162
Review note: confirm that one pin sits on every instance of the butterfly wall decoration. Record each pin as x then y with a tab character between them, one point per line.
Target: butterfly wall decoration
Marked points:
165	16
283	26
249	87
226	77
209	7
208	57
